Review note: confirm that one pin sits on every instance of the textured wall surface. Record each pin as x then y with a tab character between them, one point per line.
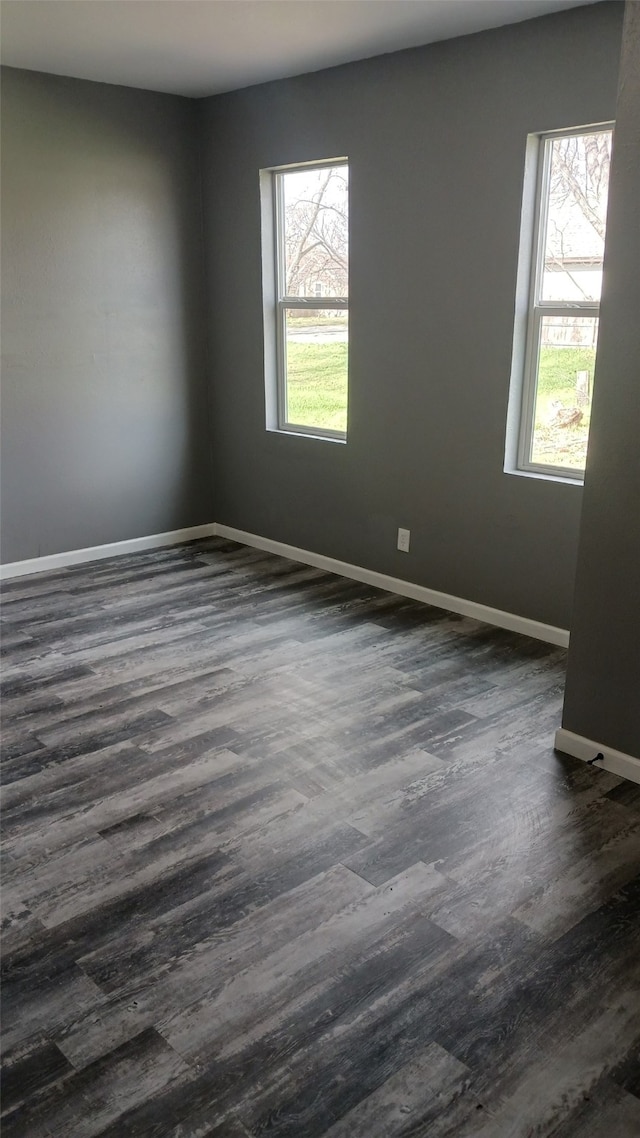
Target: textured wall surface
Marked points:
436	141
602	700
105	425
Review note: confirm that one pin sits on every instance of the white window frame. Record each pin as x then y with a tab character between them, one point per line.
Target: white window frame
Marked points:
283	301
539	308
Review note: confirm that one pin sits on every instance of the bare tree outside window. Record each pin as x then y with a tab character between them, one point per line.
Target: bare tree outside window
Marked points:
565	300
312	332
317	231
577	218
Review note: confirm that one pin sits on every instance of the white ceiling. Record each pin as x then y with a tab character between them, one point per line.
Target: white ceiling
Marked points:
203	47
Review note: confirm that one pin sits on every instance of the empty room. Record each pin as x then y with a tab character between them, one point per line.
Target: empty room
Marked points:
320	566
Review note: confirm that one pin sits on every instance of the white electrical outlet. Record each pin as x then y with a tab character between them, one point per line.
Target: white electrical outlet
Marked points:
404	537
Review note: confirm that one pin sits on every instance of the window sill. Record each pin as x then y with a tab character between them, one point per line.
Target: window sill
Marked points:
540	475
284	431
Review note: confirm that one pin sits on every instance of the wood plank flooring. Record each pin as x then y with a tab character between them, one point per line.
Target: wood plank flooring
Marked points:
285	855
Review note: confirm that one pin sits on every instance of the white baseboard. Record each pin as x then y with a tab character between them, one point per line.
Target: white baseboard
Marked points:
98	552
617	762
497	617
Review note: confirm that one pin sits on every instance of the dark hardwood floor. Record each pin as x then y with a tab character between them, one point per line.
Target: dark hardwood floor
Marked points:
286	855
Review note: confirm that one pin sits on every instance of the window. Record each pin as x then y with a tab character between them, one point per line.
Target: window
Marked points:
569	215
307	357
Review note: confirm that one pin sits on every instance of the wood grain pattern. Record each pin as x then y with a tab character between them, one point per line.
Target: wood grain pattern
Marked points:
286	855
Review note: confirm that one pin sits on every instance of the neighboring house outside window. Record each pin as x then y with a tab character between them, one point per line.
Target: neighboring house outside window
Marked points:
555	343
306	293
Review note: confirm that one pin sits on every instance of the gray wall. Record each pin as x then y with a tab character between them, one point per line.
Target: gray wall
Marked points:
436	141
104	432
602	700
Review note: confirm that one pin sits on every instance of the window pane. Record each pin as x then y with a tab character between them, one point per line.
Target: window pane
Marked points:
316	231
567	352
573	241
317	350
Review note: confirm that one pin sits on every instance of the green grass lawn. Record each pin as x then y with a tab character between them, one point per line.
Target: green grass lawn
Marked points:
559	366
317	395
317	385
557	376
561	446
